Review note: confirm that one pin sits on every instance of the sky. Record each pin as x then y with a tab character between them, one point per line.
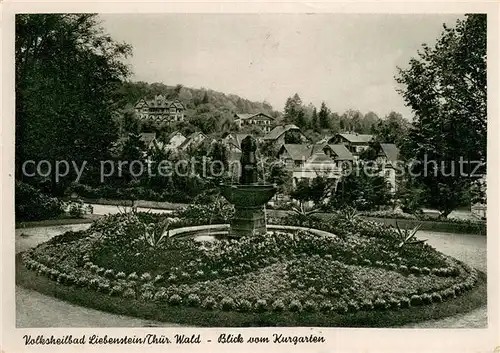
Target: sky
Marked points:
347	60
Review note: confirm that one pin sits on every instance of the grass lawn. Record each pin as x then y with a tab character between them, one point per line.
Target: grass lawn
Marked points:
198	317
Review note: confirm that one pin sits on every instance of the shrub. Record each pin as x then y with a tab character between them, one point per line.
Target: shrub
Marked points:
147	295
353	306
94	283
244	305
380	304
326	306
341	308
415	270
116	290
32	205
100	271
209	303
394	303
426	298
109	273
103	287
120	275
405	302
160	295
295	306
436	298
367	305
227	304
174	299
310	306
426	270
193	300
260	305
146	277
129	293
278	305
415	300
133	277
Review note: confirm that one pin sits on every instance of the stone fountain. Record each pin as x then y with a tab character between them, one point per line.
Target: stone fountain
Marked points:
249	196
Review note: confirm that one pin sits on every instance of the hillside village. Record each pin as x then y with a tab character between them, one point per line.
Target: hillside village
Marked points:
303	158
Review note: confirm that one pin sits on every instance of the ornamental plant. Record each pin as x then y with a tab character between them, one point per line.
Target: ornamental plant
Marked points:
175	299
146	277
147	296
310	306
278	305
109	273
133	277
260	305
129	293
415	300
295	306
193	300
227	304
116	290
209	303
244	305
120	275
161	295
405	237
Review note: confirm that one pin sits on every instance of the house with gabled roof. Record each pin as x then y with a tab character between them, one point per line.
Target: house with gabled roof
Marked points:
355	143
388	158
193	140
174	140
310	161
260	120
159	109
233	141
285	134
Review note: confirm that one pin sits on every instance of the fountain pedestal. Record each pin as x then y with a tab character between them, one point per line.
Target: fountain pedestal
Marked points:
248	200
248	197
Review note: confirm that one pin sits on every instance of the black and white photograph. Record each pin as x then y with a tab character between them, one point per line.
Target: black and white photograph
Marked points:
249	170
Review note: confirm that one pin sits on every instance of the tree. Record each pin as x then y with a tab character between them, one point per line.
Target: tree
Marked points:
67	74
446	89
293	107
392	129
315	121
316	190
324	117
362	190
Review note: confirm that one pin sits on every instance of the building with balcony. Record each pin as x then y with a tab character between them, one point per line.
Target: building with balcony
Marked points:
160	110
307	162
259	120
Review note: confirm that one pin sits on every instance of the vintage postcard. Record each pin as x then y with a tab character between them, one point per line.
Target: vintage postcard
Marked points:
222	176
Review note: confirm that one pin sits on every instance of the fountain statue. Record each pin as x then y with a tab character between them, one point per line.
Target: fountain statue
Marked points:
249	196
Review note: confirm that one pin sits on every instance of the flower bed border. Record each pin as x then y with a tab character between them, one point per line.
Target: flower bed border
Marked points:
217	318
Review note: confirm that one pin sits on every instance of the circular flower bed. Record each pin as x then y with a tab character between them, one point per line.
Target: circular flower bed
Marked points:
132	256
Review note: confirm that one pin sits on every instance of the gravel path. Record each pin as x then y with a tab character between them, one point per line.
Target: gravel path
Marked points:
37	310
470	249
34	309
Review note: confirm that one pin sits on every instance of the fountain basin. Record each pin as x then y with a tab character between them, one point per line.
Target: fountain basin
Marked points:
216	232
248	195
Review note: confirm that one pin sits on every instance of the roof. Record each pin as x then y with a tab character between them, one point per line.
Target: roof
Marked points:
147	137
391	151
190	138
280	130
298	152
244	116
160	101
172	134
342	153
357	138
235	139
